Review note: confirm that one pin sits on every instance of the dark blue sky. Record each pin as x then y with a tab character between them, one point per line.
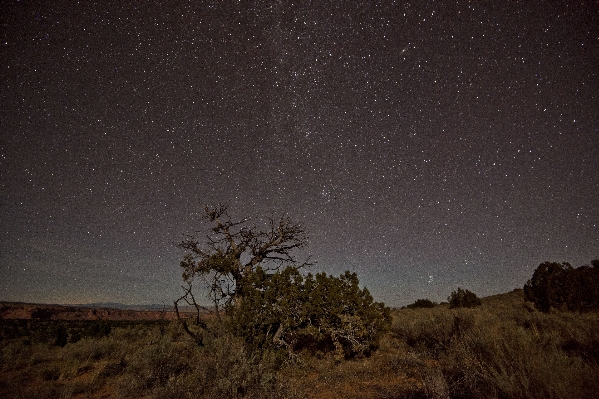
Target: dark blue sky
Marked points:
424	146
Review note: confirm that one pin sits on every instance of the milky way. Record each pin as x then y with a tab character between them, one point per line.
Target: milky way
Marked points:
424	145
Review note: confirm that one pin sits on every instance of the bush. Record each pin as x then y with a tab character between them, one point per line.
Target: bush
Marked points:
463	299
422	303
315	313
560	286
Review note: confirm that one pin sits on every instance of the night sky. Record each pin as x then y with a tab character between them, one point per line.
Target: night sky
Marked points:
423	145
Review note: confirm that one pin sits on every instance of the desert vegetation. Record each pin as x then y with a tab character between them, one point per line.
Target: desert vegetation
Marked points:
317	313
463	299
254	273
504	348
560	286
421	303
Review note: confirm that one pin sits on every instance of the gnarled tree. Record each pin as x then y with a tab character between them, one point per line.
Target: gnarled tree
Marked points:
234	250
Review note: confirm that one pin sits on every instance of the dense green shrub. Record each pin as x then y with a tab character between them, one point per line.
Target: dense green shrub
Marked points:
560	286
463	299
422	303
316	313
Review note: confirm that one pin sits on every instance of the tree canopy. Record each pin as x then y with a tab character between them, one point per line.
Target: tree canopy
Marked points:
560	286
234	249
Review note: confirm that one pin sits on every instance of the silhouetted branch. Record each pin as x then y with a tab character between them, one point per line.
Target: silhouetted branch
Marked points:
188	293
234	250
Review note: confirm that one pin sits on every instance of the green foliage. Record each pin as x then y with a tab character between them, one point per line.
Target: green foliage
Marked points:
560	286
316	313
463	299
422	303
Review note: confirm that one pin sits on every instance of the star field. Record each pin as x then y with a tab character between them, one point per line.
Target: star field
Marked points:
424	145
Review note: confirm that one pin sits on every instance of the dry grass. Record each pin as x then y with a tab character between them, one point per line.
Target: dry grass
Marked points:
502	349
391	372
138	361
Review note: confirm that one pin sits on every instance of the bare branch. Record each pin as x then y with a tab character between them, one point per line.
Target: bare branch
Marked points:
196	337
231	241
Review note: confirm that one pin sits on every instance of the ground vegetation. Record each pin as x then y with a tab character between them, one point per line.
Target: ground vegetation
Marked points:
504	348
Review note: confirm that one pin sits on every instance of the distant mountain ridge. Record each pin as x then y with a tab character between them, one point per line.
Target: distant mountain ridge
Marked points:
122	306
105	311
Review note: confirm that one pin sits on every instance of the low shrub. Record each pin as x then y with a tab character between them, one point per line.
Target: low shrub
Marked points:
422	303
463	299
